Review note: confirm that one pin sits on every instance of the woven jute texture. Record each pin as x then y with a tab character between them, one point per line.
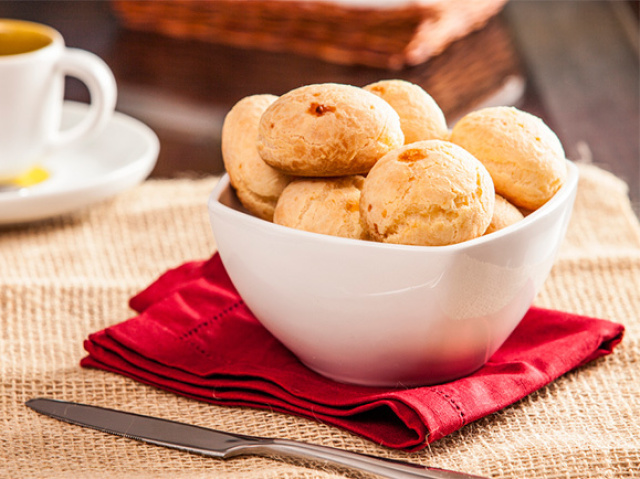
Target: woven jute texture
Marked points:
67	277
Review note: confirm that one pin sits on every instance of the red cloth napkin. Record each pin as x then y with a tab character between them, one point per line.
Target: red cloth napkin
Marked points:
194	336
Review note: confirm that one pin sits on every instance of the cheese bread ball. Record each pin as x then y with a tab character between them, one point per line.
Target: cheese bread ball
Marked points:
257	185
420	116
523	155
328	130
322	205
504	214
429	193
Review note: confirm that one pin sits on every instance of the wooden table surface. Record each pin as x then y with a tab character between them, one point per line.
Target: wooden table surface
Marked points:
573	63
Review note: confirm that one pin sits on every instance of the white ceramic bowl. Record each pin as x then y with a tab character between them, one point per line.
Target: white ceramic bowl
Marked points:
378	314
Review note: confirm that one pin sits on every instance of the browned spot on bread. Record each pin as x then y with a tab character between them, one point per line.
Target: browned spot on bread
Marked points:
411	155
352	206
319	109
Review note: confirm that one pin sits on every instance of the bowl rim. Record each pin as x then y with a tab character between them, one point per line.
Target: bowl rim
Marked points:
561	196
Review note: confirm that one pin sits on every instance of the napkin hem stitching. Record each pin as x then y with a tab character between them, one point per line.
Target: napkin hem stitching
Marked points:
208	321
453	403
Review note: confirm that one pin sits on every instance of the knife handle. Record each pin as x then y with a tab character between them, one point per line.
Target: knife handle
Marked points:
380	466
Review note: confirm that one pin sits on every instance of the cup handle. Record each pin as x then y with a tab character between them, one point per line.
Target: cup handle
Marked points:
99	79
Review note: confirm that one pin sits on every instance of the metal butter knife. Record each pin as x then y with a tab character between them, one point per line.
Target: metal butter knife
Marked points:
223	445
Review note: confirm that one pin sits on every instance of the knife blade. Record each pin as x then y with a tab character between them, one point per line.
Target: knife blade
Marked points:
223	445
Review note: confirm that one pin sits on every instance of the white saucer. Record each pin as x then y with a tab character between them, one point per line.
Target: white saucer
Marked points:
119	158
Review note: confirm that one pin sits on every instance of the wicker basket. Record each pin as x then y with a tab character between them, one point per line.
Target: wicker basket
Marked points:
392	37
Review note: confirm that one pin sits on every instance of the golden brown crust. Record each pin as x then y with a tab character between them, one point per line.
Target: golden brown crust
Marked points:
427	193
525	158
420	116
257	185
322	205
328	130
504	214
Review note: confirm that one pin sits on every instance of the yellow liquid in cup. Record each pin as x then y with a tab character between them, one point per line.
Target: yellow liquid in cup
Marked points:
17	37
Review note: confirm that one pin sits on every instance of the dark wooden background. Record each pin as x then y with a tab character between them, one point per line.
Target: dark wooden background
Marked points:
574	63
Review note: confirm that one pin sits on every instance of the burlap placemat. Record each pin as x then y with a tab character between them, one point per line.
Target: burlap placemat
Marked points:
67	277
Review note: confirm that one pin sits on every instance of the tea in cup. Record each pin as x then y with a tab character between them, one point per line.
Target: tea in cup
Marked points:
33	64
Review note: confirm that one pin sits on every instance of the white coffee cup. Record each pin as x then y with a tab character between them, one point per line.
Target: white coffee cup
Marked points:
33	64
